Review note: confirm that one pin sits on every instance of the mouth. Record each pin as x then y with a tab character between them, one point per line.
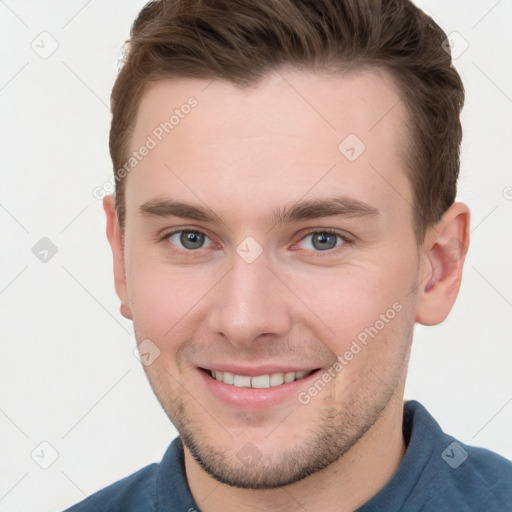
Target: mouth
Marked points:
264	381
255	387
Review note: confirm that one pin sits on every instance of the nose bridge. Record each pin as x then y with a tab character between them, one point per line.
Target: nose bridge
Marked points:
248	303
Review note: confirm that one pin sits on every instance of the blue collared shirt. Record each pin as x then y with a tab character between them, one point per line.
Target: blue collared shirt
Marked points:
437	474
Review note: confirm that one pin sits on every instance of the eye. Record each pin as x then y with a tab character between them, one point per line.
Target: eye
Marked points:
189	239
321	241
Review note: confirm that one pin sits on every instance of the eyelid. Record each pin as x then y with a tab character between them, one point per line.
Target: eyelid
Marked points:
167	234
330	231
345	237
164	233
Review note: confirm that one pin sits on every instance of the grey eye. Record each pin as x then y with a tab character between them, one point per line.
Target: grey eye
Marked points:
322	241
189	239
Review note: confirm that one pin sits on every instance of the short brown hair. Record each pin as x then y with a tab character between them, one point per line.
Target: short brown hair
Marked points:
242	41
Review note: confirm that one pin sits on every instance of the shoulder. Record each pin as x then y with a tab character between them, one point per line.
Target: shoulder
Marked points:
440	474
133	493
155	488
482	481
463	477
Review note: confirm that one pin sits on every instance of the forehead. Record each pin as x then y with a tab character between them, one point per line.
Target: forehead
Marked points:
358	101
291	129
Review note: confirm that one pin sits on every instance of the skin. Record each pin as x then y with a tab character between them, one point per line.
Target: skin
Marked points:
244	154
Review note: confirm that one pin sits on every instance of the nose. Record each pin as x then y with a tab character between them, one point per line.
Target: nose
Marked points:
250	302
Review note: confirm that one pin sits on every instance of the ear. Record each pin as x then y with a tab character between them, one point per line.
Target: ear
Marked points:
444	251
116	243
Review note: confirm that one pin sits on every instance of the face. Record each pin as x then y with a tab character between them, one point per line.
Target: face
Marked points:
269	239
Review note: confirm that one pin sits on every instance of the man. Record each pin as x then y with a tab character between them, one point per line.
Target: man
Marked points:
284	213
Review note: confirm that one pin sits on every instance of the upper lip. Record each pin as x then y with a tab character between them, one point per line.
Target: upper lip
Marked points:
252	371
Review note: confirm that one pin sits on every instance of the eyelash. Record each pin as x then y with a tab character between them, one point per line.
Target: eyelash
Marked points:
345	241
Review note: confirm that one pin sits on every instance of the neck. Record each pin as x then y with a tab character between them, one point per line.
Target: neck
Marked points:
345	485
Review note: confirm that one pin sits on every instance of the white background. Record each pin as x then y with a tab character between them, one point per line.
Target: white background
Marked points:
68	374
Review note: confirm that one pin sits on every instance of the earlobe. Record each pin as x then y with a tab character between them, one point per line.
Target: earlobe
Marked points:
125	311
116	243
444	252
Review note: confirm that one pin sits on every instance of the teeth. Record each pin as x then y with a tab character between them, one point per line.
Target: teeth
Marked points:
259	381
240	381
289	377
229	378
262	381
276	379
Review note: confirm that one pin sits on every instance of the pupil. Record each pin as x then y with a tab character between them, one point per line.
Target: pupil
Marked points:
324	241
191	239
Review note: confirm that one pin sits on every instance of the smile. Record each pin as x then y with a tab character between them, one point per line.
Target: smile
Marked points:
258	381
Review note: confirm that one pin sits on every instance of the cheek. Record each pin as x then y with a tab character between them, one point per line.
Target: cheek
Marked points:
359	303
163	298
158	298
150	297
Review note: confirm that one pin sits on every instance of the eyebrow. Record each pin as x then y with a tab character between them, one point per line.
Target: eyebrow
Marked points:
299	211
170	208
317	208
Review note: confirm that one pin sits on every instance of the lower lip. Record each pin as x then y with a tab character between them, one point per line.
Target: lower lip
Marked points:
255	398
